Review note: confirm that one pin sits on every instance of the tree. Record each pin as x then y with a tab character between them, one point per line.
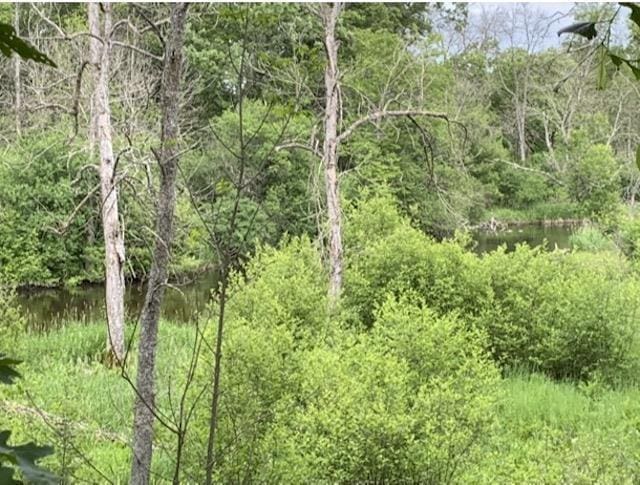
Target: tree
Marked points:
114	252
167	158
329	14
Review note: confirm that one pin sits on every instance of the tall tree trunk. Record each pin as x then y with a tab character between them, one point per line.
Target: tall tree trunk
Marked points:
114	256
17	106
95	50
330	14
168	162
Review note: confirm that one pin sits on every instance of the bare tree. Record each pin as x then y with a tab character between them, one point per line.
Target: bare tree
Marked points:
329	14
17	100
112	230
167	158
334	135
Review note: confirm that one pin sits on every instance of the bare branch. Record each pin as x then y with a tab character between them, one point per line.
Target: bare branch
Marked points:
378	115
301	146
138	50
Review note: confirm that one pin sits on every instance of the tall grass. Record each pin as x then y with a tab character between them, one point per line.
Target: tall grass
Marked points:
68	398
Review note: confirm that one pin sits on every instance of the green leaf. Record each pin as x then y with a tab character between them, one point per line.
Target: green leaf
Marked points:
7	373
618	61
585	29
601	82
6	475
635	12
10	42
25	457
638	157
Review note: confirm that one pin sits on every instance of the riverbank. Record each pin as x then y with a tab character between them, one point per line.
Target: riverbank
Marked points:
548	214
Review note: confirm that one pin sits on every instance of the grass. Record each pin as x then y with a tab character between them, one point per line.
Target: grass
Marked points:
69	399
557	432
547	211
548	432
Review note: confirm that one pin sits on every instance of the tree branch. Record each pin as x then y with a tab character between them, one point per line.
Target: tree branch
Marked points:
378	115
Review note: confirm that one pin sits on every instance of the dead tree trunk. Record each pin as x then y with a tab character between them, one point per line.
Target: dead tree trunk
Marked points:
114	256
17	105
168	161
330	15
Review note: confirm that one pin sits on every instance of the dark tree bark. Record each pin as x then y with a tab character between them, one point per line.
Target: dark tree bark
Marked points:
168	162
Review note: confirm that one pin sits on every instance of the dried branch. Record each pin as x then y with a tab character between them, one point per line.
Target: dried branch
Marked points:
378	115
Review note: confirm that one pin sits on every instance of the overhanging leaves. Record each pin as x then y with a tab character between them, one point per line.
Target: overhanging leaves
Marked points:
601	82
10	43
7	373
618	61
25	457
585	29
638	157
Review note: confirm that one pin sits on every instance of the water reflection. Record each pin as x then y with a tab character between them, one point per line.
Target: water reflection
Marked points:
46	308
183	303
533	235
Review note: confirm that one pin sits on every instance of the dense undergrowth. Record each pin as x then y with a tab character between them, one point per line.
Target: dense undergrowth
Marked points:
440	366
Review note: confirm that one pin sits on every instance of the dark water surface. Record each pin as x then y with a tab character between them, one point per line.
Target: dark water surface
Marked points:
533	235
46	308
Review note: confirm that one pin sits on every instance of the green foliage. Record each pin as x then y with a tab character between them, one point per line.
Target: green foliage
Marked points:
307	401
401	260
36	199
593	182
568	315
591	238
557	433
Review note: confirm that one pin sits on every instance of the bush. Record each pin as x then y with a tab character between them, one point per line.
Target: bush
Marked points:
593	181
590	238
568	315
274	311
302	402
401	260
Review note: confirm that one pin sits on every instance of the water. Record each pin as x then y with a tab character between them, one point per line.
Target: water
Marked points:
52	307
533	235
47	308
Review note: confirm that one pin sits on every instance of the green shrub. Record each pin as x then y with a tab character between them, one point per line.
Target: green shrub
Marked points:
302	402
401	260
593	181
568	315
274	311
590	238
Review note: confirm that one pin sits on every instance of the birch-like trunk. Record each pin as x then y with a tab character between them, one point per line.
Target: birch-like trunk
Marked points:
330	15
168	161
112	231
17	105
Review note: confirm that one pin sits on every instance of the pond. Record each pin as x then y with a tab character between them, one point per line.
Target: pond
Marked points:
46	308
534	235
